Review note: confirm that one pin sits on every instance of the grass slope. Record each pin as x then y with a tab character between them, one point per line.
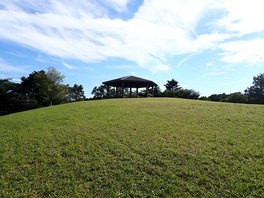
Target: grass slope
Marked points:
133	147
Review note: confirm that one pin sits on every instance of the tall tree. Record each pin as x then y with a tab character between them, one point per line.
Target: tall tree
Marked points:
172	85
56	91
35	89
256	92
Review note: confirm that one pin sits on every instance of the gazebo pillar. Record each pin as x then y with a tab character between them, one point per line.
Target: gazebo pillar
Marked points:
130	92
116	89
107	91
147	89
137	93
123	90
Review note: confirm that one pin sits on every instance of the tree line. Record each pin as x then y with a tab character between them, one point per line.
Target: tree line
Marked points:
172	90
39	89
252	95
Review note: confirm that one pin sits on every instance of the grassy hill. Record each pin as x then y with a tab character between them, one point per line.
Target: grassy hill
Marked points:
134	147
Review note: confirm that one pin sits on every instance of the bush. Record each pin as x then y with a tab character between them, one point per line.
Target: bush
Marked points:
237	97
187	93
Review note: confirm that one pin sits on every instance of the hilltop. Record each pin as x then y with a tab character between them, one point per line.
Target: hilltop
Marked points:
133	147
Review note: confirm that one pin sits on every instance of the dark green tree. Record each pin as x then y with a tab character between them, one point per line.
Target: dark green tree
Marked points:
9	97
99	92
172	85
35	89
218	97
255	93
188	94
157	91
237	97
76	93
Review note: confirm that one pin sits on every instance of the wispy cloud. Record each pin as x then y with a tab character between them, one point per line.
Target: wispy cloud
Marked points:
162	68
250	52
5	67
213	69
120	67
185	59
83	30
70	66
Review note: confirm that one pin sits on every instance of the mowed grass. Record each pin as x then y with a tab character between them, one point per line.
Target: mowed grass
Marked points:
134	148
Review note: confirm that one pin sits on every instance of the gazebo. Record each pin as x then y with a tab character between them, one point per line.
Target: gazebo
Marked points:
130	82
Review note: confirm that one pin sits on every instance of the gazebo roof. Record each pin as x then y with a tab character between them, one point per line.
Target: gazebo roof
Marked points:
130	81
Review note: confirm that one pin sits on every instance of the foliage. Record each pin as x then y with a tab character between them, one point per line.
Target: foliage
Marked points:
76	93
99	92
102	92
133	148
218	97
237	97
56	91
35	88
187	93
9	94
203	98
157	92
172	85
39	89
168	93
174	90
253	94
256	92
117	94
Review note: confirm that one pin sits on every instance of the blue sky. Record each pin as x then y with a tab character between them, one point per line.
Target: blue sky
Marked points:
211	46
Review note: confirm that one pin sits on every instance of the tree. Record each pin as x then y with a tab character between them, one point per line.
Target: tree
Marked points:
255	93
157	91
34	89
237	97
76	93
187	93
56	91
9	97
99	92
39	89
172	85
43	89
218	97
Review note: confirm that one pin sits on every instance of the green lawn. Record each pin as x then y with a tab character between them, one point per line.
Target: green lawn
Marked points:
134	148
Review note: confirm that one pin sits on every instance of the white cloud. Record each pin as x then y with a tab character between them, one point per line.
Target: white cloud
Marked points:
243	17
213	69
250	52
82	29
70	66
118	5
161	68
121	67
